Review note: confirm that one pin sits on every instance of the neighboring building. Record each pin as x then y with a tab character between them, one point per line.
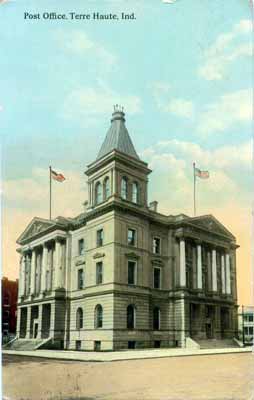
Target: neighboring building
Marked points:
9	308
121	275
246	324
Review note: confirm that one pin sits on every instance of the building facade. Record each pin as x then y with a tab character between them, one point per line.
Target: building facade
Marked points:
121	275
9	308
246	324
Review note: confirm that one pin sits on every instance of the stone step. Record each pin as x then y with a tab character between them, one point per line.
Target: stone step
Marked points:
217	343
24	344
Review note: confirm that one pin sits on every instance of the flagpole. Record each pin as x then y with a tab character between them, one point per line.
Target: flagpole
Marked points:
194	189
50	191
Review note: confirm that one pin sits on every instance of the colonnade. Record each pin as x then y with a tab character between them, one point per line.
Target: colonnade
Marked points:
42	268
224	265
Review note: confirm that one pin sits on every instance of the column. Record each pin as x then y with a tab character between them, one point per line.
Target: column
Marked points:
63	264
214	271
228	283
58	270
18	322
223	281
39	321
44	266
33	265
28	322
199	266
21	276
182	263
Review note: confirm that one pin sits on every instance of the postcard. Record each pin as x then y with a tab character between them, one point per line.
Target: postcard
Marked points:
127	199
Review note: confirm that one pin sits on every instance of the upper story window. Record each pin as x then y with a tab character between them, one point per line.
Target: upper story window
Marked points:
156	245
81	247
124	188
132	272
106	188
99	238
98	193
80	279
131	237
135	192
98	317
99	273
79	318
157	278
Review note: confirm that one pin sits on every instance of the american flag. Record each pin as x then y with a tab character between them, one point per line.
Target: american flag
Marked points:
57	177
201	174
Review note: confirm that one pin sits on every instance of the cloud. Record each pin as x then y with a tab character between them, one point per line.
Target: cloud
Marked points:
172	178
77	42
169	104
89	102
225	50
230	109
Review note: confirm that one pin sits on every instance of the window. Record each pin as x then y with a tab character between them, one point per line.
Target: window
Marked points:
131	344
156	245
81	247
131	316
99	238
98	193
251	318
97	345
251	330
106	188
156	318
99	273
135	192
80	279
132	266
124	188
79	318
78	345
157	278
157	344
98	316
131	237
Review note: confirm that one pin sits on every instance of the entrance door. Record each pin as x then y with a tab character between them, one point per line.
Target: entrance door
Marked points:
208	328
35	330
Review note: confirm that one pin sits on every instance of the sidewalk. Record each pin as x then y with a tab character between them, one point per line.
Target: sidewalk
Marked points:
123	355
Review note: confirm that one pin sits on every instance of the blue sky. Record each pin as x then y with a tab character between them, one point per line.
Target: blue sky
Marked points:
182	72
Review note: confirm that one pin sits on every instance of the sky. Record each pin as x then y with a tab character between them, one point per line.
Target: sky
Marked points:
182	72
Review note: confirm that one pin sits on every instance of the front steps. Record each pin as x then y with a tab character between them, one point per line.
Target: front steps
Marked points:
217	343
26	344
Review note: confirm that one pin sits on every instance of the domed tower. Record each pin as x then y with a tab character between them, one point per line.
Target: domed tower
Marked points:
117	173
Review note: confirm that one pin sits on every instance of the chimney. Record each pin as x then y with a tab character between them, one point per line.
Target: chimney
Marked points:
153	206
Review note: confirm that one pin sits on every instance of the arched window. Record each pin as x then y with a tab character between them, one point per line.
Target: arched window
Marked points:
98	317
135	192
124	186
79	318
131	316
98	193
156	318
106	188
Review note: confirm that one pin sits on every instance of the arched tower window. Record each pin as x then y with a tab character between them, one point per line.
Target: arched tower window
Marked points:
124	188
98	193
156	318
131	316
135	192
79	318
106	188
98	317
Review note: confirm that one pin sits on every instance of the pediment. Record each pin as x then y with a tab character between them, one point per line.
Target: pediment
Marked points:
36	226
211	224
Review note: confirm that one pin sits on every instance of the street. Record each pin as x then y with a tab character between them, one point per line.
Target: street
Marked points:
215	377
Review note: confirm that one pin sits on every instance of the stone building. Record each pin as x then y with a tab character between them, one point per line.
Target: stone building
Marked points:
122	275
9	308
